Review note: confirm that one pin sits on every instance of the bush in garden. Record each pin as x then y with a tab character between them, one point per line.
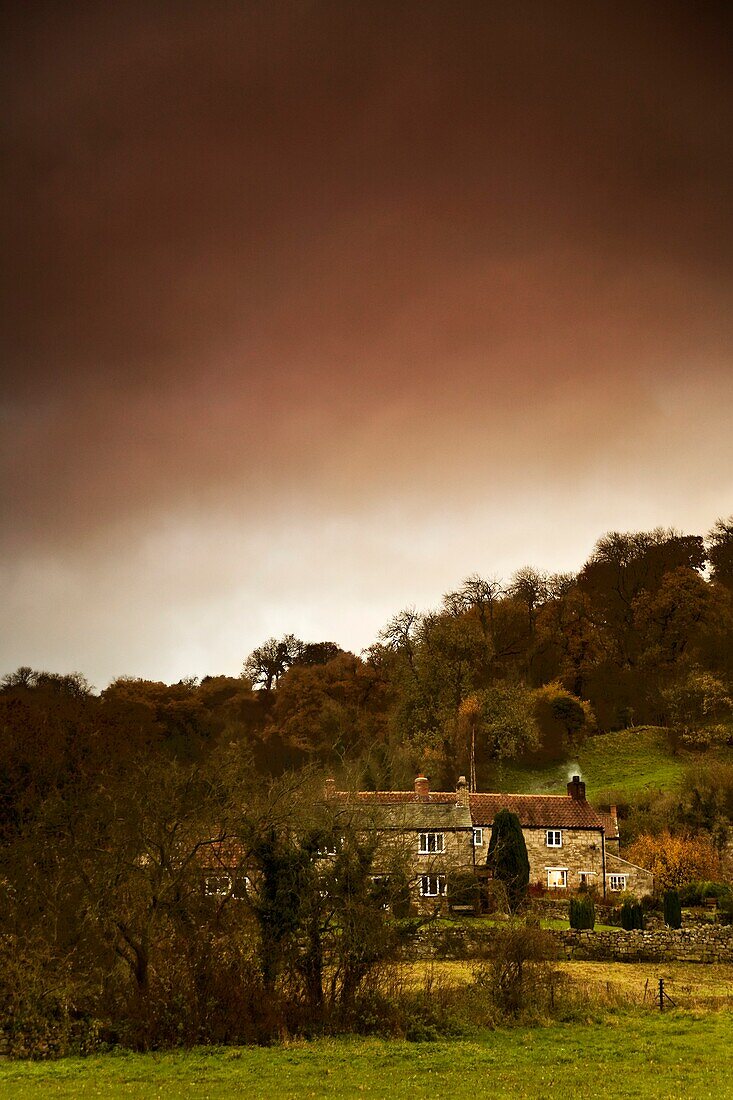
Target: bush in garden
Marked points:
582	912
672	909
725	908
632	916
464	890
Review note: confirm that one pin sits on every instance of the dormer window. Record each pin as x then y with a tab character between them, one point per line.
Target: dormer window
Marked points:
554	838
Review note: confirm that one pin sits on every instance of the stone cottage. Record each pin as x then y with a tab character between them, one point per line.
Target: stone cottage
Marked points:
570	845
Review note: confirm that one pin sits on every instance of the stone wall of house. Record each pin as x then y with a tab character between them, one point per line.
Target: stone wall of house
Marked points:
405	844
701	943
581	852
639	881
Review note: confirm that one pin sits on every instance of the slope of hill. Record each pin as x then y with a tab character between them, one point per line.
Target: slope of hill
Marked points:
626	762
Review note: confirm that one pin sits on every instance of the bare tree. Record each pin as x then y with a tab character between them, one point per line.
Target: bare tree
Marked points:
266	664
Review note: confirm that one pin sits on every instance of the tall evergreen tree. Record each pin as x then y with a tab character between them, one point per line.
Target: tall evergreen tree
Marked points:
507	858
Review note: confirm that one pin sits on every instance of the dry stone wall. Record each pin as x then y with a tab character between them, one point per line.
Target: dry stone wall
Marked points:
703	944
698	944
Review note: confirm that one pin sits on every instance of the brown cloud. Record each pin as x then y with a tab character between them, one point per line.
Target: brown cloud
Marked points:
329	260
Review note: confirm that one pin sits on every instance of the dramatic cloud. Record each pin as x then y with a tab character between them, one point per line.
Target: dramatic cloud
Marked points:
315	307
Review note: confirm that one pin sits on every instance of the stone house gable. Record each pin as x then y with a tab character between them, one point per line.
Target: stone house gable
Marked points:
623	876
431	833
563	833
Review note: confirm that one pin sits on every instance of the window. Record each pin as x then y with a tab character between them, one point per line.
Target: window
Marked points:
330	847
431	842
432	886
557	878
586	877
554	838
217	886
617	882
222	885
478	838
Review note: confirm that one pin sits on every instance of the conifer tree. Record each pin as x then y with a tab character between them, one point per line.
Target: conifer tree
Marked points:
507	858
672	909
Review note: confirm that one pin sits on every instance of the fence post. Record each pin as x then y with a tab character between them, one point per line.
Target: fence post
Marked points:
661	994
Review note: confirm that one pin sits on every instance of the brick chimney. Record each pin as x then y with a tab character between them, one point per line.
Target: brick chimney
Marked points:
462	791
422	787
330	788
576	789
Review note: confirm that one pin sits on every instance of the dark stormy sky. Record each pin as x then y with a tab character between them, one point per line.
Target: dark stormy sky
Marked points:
311	309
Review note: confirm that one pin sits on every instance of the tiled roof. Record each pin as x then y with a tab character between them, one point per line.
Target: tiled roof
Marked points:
552	811
407	810
388	798
558	811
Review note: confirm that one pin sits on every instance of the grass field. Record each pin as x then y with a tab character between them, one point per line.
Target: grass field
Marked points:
632	984
626	762
641	1055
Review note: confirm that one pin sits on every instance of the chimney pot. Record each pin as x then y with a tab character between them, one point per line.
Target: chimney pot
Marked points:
576	789
422	787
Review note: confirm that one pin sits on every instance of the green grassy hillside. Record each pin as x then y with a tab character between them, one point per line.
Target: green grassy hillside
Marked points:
626	762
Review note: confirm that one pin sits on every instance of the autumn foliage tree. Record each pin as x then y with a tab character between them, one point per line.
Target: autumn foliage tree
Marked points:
676	860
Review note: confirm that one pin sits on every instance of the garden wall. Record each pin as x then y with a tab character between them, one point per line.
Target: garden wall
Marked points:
697	944
701	943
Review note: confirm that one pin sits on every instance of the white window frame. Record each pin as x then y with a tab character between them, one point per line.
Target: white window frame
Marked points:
331	848
617	889
222	884
218	885
431	844
553	838
478	836
433	886
563	871
583	876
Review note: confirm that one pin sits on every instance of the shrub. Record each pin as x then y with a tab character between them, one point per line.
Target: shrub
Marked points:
695	893
672	909
725	908
632	916
44	1009
519	975
582	912
464	890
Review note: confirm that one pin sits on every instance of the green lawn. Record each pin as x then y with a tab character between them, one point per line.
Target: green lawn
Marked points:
676	1055
625	762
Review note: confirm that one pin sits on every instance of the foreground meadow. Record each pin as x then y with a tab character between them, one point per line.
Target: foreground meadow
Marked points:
605	984
634	1054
